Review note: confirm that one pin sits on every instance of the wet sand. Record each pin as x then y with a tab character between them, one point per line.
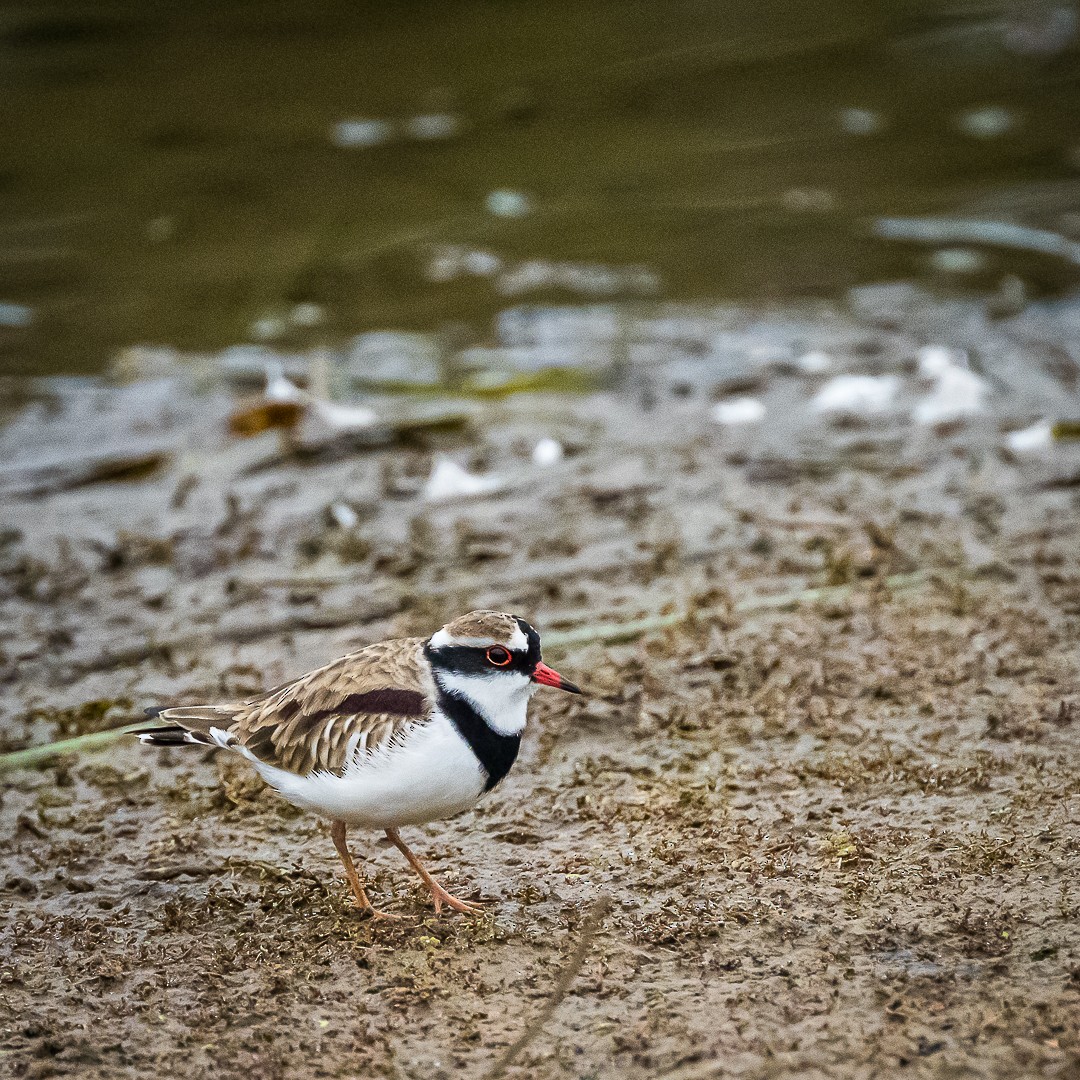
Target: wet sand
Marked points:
839	829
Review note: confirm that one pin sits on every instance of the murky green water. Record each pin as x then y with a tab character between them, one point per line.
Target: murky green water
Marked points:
173	176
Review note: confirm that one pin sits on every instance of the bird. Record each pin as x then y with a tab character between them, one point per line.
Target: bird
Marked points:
401	732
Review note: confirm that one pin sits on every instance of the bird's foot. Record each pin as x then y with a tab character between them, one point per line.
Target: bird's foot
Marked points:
368	908
440	896
387	916
363	902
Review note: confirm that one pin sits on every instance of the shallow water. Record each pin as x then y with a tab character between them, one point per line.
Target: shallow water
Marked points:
178	177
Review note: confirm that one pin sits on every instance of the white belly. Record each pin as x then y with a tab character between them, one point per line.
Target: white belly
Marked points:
431	775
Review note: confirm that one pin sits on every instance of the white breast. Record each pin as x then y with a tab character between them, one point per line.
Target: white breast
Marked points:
429	774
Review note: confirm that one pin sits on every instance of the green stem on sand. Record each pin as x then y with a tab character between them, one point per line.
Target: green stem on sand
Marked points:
604	633
34	755
609	633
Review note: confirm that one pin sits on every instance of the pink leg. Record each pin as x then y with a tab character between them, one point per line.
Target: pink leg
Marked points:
337	833
438	893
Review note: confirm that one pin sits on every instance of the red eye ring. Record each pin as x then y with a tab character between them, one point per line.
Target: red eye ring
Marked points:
499	656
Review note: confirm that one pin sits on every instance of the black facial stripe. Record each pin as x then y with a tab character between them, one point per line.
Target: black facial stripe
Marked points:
472	660
496	753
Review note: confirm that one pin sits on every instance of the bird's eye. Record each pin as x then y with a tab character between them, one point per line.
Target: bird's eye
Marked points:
499	656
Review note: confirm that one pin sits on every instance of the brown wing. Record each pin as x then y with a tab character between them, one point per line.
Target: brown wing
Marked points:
317	722
358	702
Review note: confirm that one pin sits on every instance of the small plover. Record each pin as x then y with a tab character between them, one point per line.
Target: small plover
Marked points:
402	732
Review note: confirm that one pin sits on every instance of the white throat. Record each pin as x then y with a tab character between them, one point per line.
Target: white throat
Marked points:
500	699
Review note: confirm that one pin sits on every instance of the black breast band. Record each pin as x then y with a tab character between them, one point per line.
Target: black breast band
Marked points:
496	753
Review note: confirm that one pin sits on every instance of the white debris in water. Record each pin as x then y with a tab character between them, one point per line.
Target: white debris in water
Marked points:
525	277
1036	437
281	388
547	451
860	121
337	417
814	362
342	418
361	132
16	315
267	328
430	127
445	264
935	360
307	314
958	260
594	280
344	516
481	263
1041	29
589	279
448	480
449	261
989	122
508	204
739	410
958	392
998	234
856	395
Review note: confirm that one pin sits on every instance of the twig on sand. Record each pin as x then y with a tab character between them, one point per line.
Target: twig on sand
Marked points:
561	988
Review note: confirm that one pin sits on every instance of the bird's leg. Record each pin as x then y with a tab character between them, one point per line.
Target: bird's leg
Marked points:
337	834
438	893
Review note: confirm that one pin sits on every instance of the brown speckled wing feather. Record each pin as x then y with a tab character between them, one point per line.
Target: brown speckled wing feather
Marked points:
358	702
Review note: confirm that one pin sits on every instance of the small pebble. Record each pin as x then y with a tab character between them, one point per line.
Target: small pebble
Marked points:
935	360
1039	436
547	452
957	394
344	516
814	363
740	410
856	395
281	388
344	418
448	480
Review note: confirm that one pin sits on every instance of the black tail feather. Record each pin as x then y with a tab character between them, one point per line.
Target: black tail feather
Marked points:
174	736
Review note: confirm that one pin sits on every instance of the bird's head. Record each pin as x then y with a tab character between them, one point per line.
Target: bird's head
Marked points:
493	659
